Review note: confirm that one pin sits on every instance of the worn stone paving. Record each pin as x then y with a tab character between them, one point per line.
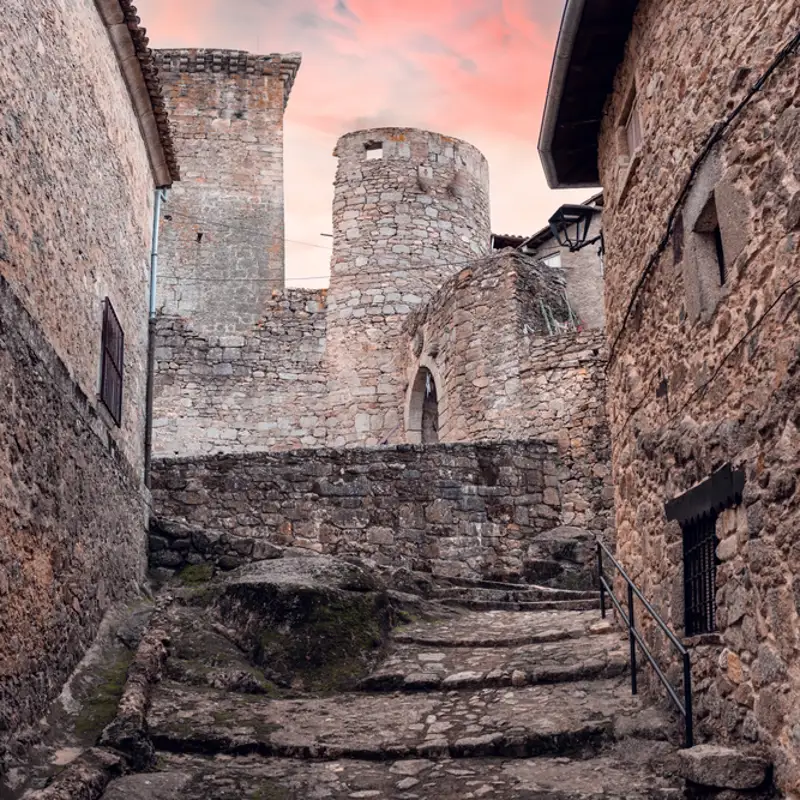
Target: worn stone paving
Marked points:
619	774
413	666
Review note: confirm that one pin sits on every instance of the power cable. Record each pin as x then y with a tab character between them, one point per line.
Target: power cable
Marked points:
713	137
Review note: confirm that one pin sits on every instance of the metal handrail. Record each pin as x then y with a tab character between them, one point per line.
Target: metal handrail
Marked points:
634	637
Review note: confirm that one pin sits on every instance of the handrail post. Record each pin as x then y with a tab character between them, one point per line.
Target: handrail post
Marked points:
631	626
687	699
600	579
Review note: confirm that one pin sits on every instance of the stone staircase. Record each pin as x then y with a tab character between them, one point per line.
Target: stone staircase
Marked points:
479	702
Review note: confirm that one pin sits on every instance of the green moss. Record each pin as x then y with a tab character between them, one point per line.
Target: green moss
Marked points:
271	791
196	573
101	707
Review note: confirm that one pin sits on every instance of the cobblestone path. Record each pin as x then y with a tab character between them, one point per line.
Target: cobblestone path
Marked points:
513	705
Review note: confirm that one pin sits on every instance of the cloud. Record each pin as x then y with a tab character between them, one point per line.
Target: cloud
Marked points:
474	69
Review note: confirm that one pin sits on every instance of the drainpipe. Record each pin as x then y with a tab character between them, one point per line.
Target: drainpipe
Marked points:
161	196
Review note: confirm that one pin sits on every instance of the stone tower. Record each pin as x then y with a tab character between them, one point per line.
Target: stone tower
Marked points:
222	234
410	208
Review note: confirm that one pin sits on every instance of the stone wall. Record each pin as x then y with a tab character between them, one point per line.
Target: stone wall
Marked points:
705	372
72	521
466	510
258	389
222	230
76	203
402	223
498	374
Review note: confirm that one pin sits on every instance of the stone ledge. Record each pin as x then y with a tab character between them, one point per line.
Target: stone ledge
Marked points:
723	767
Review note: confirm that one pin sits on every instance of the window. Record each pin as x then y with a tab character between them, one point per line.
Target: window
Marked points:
111	364
710	244
553	260
700	573
697	512
633	128
374	150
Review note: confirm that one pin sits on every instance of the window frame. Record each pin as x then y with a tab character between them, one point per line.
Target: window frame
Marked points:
112	362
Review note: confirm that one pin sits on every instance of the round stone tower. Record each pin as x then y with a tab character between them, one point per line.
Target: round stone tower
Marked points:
410	208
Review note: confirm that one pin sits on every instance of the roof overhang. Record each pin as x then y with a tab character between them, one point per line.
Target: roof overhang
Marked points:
590	47
139	72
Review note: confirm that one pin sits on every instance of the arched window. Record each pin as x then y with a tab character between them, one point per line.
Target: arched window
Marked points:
423	410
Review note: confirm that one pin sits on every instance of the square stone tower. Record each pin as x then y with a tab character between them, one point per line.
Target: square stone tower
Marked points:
222	231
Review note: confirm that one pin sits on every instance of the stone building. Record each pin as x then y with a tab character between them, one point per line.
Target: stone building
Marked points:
701	224
421	322
83	145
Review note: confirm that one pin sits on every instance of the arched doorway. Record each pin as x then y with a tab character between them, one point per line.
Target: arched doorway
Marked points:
423	409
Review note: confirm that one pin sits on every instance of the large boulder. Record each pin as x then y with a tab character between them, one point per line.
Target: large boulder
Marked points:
310	623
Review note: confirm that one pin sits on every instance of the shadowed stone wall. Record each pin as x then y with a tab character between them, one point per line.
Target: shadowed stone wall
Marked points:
466	510
706	372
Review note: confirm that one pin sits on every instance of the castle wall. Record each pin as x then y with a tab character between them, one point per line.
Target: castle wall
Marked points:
75	220
468	510
222	234
402	223
500	376
704	373
264	388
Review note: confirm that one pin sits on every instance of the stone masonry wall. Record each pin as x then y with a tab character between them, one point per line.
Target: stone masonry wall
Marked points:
469	510
222	232
257	389
402	223
499	376
706	373
77	194
72	521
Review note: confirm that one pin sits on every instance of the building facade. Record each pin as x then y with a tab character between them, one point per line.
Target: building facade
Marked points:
84	144
690	122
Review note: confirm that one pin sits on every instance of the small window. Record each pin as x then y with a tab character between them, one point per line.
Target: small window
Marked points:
700	573
633	128
553	260
710	243
374	150
111	365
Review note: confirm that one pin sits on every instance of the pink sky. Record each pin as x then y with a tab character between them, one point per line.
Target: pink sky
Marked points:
474	69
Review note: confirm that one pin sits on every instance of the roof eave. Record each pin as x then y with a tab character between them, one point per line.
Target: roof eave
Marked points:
570	22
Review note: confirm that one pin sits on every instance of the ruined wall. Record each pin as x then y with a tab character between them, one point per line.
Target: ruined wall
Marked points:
402	223
222	234
72	521
256	389
76	202
500	376
458	510
706	372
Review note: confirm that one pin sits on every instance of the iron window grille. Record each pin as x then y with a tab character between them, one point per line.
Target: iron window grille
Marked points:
700	573
697	511
112	362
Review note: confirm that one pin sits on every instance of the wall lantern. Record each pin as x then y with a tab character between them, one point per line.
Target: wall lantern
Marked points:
570	227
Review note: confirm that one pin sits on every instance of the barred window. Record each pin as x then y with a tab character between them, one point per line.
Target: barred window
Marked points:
111	366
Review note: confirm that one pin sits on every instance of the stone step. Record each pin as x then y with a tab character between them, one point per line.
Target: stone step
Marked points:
415	667
561	719
616	774
500	628
587	604
513	595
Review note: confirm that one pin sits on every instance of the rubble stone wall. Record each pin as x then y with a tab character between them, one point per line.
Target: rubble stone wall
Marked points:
704	374
77	194
402	223
72	521
260	389
466	510
222	228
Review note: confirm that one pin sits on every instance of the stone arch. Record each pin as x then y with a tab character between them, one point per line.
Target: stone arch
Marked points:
424	405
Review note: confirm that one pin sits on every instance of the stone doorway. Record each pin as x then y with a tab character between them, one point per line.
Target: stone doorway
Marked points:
423	409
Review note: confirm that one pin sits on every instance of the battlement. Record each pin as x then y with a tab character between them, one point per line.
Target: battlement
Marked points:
231	62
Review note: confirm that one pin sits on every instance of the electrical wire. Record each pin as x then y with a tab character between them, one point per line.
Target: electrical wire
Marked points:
399	268
714	136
